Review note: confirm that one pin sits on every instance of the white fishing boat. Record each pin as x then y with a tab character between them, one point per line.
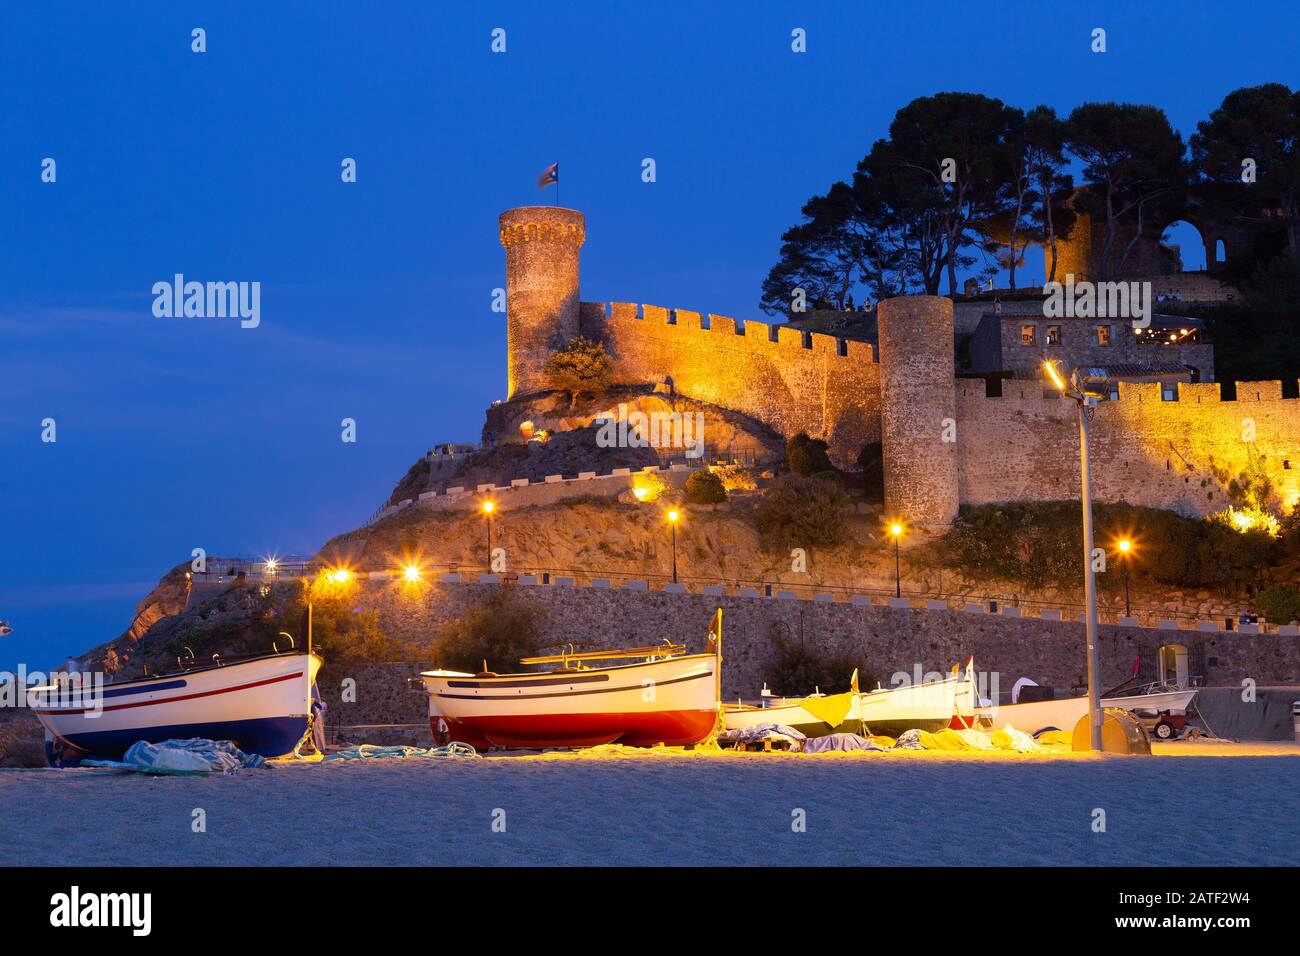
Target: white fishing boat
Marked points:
261	703
948	703
669	697
1167	707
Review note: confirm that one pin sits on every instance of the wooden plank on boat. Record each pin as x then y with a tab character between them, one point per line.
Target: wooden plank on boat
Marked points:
656	650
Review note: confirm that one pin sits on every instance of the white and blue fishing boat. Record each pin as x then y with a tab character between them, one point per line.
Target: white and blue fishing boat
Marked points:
262	703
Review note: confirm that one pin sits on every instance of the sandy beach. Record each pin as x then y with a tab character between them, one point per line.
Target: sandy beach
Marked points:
1189	805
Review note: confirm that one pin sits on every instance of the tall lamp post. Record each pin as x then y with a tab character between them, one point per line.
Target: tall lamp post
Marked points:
673	517
488	508
1086	401
1125	549
896	531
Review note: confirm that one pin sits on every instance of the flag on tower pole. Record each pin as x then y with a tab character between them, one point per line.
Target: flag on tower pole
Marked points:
551	174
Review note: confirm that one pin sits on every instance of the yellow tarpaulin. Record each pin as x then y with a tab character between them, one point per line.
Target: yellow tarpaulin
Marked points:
832	709
954	740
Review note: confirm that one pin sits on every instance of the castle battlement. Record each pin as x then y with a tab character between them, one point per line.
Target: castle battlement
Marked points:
1138	393
756	334
944	441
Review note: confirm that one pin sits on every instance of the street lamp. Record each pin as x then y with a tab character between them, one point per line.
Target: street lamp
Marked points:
488	508
411	573
1087	401
1125	548
896	532
673	517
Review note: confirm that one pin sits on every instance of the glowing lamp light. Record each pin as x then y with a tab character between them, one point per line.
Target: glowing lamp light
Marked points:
340	575
1126	546
271	565
411	572
489	507
673	516
896	530
1054	375
640	493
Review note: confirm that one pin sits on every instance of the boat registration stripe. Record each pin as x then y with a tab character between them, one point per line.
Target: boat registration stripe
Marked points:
111	691
573	693
179	697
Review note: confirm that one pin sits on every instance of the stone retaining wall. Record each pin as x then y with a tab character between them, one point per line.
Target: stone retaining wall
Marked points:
887	639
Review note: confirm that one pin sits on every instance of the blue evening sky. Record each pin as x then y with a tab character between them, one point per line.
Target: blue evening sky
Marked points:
183	433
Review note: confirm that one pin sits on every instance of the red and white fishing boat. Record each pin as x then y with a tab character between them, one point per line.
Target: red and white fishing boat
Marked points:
669	697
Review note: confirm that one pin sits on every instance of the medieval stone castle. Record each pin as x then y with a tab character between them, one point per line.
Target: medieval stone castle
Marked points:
1166	439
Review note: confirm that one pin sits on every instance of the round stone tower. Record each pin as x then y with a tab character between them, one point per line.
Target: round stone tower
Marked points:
918	409
542	244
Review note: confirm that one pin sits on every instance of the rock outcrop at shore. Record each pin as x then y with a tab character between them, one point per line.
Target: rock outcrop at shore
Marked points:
22	741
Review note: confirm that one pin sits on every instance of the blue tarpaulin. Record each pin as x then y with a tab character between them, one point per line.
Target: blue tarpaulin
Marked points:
194	756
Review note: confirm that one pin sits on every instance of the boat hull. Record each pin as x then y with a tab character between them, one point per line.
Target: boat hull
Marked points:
938	705
261	705
1064	714
671	702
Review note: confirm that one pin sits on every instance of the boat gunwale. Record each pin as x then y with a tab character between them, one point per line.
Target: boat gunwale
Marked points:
172	675
496	698
533	675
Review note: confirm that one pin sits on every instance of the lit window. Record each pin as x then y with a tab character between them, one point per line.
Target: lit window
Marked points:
1168	391
1103	335
1028	335
1053	335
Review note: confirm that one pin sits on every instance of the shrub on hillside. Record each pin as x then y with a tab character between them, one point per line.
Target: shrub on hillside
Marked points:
1288	535
736	477
580	367
1038	545
500	631
807	456
796	670
1280	605
648	486
872	462
802	511
345	636
705	488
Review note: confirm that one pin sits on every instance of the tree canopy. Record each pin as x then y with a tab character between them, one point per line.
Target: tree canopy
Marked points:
966	182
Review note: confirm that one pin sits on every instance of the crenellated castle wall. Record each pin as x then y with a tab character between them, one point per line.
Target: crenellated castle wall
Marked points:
945	442
1163	454
792	381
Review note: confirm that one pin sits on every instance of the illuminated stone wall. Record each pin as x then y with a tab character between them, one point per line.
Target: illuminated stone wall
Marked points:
1018	447
787	379
885	639
1024	446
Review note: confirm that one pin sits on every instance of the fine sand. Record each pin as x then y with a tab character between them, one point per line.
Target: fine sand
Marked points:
1191	804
